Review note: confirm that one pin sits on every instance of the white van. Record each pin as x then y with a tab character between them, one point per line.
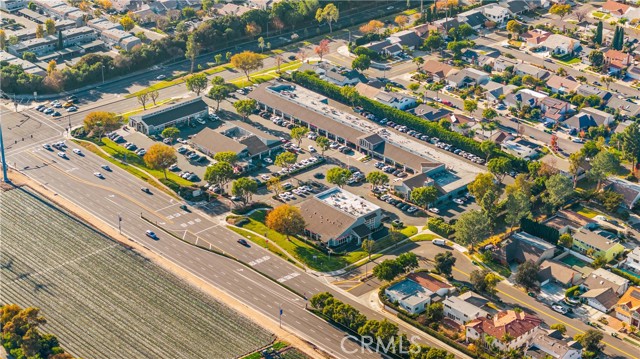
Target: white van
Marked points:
439	242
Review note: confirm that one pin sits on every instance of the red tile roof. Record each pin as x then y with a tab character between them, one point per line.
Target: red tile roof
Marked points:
429	282
516	324
615	7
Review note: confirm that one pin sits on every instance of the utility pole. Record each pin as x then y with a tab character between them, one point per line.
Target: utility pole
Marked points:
102	73
5	178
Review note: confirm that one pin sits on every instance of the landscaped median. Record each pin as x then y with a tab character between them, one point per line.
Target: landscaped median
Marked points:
254	229
135	165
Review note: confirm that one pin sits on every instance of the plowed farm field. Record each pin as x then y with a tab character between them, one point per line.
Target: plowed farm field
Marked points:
103	300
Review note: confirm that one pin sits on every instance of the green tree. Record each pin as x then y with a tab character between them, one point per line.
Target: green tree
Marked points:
197	83
245	107
599	261
50	25
220	173
591	341
99	122
160	157
527	274
471	227
484	280
610	200
456	47
219	93
559	327
39	31
488	147
193	50
596	57
298	133
500	167
244	187
188	12
603	164
349	93
435	314
434	41
323	143
561	10
170	132
489	113
482	184
418	61
377	178
631	144
387	270
367	246
576	161
407	261
514	27
444	263
127	23
559	189
518	206
565	240
362	62
261	43
226	156
338	176
329	13
218	59
470	105
423	196
285	159
597	39
246	61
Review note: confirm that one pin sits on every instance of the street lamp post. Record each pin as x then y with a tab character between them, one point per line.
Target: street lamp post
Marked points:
102	73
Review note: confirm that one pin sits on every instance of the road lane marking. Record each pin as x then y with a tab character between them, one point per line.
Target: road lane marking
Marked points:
288	277
259	260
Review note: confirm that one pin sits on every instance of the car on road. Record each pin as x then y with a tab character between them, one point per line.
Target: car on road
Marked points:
161	77
151	234
243	242
98	174
62	154
292	57
78	152
558	308
235	198
145	190
434	210
577	140
106	168
265	177
47	147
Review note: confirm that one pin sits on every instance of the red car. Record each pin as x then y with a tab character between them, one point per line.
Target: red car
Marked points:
447	103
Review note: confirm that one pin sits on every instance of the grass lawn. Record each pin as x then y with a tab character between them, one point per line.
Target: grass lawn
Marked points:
424	237
515	43
410	12
265	74
572	61
587	212
300	250
600	15
158	86
126	115
259	241
409	231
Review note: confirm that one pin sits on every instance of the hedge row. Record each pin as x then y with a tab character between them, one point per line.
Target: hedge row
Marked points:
431	129
545	232
438	226
633	279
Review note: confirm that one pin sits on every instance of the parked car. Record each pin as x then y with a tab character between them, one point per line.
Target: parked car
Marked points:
434	210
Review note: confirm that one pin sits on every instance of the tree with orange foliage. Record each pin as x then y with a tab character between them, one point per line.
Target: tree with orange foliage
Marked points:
401	20
160	157
372	26
246	61
253	29
322	48
286	219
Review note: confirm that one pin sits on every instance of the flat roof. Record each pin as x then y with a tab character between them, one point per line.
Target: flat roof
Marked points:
346	202
170	112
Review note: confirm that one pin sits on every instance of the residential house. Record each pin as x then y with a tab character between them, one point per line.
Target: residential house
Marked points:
12	5
586	241
630	191
337	76
461	123
614	8
466	77
76	36
439	288
522	246
565	220
517	7
38	46
561	45
625	107
552	345
554	109
628	307
155	120
602	299
617	61
535	37
409	296
474	18
589	117
431	113
336	217
465	307
496	13
230	9
503	62
509	329
27	67
408	38
533	71
520	148
602	278
588	90
395	100
115	37
494	91
633	72
558	272
384	47
437	70
559	84
524	97
632	262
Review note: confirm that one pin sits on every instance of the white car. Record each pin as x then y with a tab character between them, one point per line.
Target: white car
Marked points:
62	154
141	152
77	152
98	174
458	201
201	121
434	210
600	218
311	148
268	160
161	77
265	177
559	309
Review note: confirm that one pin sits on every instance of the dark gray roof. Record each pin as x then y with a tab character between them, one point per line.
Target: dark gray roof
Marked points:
373	138
475	19
431	113
215	142
409	38
625	107
362	230
517	6
254	145
605	296
325	220
588	90
628	193
416	181
159	116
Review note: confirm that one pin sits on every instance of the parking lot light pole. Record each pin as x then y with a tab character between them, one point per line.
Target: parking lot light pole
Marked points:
102	73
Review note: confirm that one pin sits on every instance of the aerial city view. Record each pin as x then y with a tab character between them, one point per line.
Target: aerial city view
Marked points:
315	179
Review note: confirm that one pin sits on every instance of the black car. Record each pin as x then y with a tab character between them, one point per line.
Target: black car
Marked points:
292	57
244	242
